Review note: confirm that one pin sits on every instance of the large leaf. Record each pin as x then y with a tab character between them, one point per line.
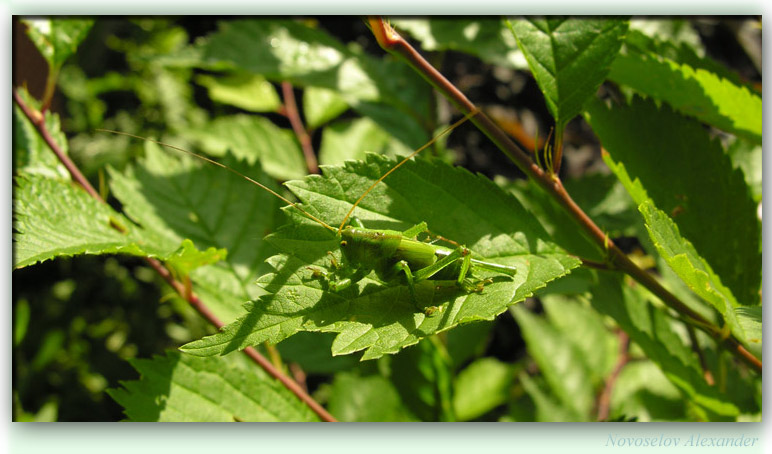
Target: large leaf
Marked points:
182	388
380	317
54	218
690	267
282	50
692	88
180	198
651	329
57	39
660	154
569	58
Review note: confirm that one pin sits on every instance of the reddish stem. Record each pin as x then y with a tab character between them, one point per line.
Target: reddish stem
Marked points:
291	110
604	400
38	121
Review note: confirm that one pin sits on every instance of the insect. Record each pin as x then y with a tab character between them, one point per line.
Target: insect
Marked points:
394	256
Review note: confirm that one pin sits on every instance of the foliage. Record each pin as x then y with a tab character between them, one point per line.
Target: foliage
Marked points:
553	341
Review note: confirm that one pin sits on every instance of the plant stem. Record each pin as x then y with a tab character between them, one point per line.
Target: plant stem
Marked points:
38	120
392	42
291	111
604	400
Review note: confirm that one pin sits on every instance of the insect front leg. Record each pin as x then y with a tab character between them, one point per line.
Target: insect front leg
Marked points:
402	266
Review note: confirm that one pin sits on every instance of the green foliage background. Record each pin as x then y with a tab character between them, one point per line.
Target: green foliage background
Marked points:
95	329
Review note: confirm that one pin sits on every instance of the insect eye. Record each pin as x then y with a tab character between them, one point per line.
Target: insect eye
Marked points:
343	243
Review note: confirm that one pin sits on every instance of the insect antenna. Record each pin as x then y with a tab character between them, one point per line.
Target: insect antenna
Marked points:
233	171
426	145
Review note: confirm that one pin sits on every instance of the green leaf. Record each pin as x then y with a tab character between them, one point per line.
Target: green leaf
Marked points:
57	39
182	388
352	399
251	137
691	90
347	140
660	154
321	105
690	267
387	91
181	199
381	318
682	50
652	330
243	90
488	38
55	219
559	361
569	58
481	387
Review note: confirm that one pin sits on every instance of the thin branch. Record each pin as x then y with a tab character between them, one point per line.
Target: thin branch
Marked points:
291	110
392	42
38	121
604	400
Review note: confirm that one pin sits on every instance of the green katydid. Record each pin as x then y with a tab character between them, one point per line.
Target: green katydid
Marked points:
395	256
